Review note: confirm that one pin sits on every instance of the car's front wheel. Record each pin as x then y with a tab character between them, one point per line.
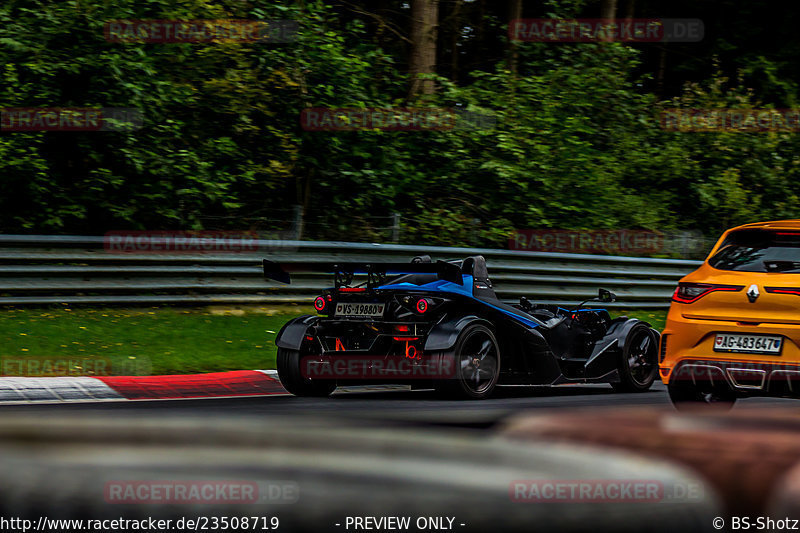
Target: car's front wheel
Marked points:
476	358
291	376
685	397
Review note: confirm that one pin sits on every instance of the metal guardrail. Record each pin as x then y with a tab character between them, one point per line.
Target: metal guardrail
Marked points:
54	269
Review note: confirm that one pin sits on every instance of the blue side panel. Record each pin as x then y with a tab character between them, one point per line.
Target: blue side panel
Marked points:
465	289
527	322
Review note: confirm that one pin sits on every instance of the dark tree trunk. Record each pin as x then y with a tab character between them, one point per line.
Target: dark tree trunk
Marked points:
630	9
455	35
424	29
662	67
608	12
514	13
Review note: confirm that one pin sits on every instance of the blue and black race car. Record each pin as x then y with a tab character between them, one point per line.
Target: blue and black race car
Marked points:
440	325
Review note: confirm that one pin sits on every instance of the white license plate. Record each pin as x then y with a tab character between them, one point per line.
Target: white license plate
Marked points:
359	309
729	342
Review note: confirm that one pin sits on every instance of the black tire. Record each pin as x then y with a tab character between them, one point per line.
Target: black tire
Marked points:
686	397
293	380
638	366
476	355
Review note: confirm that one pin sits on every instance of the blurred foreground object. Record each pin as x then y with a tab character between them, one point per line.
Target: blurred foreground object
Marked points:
63	466
744	455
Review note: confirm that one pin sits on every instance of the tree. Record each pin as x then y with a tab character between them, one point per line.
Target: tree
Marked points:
424	34
608	14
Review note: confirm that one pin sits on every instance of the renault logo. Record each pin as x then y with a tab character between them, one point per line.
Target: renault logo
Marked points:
752	293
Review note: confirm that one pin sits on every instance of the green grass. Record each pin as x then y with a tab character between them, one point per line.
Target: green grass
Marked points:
152	341
141	341
655	318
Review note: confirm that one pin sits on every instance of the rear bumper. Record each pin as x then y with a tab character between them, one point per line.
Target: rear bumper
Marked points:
687	350
741	377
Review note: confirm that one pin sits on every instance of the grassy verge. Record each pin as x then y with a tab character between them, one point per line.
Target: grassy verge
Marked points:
655	318
157	340
151	341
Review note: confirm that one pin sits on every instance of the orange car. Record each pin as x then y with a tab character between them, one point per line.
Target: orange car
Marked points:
733	328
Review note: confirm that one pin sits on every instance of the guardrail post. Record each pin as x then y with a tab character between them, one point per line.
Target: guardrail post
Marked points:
396	227
297	224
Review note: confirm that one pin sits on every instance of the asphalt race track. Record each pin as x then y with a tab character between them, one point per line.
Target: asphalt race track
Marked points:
402	406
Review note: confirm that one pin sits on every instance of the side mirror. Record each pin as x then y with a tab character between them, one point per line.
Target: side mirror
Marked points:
604	295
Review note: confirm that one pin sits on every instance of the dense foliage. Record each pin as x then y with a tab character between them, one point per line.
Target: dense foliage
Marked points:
576	141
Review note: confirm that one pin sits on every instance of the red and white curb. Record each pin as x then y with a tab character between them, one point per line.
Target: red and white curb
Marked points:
109	388
15	390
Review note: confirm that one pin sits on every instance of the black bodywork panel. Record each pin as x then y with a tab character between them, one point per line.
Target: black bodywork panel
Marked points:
538	344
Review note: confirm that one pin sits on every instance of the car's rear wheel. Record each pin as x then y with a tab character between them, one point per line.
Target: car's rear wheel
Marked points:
685	397
639	363
290	374
477	365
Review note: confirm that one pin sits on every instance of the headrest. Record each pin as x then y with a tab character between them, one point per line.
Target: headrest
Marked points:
475	266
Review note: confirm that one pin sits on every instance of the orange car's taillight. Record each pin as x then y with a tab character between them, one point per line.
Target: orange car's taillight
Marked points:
783	290
688	293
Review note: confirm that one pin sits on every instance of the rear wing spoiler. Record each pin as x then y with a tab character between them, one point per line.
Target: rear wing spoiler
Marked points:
376	272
